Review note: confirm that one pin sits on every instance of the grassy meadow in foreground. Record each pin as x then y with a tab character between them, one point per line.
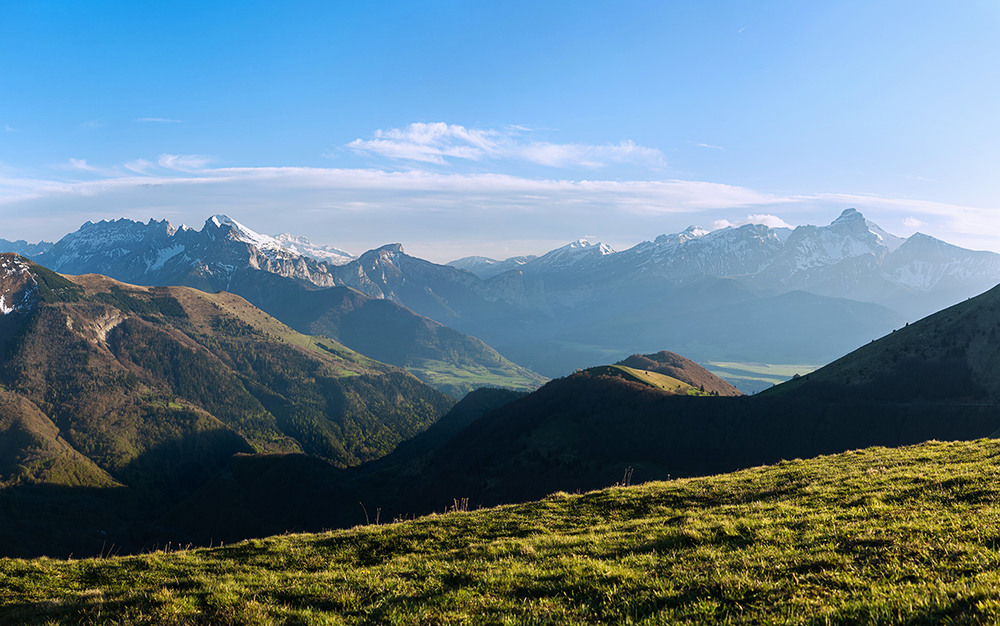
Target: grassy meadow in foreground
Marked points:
874	536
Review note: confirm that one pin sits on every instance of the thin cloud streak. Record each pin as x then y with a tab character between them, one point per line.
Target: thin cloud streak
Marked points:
436	215
439	143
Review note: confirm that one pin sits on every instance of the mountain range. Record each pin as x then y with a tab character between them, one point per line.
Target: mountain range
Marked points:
850	258
275	274
778	283
741	294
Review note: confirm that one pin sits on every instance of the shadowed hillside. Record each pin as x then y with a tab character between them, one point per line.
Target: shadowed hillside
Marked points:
951	356
106	385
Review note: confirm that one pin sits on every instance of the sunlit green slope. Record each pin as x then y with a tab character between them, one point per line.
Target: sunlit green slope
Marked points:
876	536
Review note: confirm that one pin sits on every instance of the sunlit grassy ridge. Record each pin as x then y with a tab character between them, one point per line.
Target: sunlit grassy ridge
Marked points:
653	379
875	536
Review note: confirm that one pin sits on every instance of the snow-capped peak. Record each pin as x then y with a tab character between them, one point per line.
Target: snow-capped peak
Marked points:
572	253
239	232
297	244
848	216
285	242
853	219
242	233
586	247
695	231
689	233
583	244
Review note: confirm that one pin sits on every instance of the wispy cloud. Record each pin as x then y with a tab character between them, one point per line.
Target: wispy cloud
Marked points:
7	128
92	124
912	222
184	162
438	215
710	146
157	120
440	143
140	166
81	164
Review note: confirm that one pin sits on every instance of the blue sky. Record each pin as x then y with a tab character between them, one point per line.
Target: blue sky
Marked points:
500	128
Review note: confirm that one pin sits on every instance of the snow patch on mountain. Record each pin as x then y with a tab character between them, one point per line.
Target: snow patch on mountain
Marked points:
164	255
486	268
18	288
303	247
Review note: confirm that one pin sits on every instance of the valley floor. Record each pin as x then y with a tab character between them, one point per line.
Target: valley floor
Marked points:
910	535
751	378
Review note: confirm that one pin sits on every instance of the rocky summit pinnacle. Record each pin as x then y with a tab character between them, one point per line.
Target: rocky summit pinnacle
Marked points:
849	214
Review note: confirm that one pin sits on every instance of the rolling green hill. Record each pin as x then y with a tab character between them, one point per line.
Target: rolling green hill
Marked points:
876	536
655	380
683	369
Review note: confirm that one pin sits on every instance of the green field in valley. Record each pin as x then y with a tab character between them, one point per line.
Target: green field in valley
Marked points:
758	376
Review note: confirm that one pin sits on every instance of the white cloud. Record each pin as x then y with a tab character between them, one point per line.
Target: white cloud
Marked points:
912	222
710	146
157	120
438	142
7	128
92	124
439	216
591	156
183	162
771	221
429	143
139	166
81	164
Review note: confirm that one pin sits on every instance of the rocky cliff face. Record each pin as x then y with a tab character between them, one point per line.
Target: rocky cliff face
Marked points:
18	288
157	253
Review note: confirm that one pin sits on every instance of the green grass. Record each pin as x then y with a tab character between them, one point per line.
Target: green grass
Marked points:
653	379
458	381
874	536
